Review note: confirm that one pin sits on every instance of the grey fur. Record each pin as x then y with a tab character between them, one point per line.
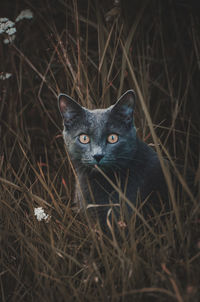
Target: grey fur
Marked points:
129	163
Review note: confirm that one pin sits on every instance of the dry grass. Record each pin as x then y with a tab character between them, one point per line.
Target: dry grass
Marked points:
94	52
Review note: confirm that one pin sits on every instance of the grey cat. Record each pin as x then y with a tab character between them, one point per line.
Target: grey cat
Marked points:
106	140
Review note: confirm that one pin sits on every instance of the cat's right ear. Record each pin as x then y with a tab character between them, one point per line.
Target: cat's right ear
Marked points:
124	107
69	109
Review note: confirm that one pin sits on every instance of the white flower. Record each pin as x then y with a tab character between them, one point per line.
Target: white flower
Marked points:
5	75
9	40
25	14
11	31
6	25
3	20
40	214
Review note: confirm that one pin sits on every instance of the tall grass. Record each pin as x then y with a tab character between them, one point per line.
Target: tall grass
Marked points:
94	51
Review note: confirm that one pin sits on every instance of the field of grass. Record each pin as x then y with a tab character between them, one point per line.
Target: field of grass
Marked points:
94	51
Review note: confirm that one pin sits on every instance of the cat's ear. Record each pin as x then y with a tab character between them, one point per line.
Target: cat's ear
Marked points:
124	107
70	110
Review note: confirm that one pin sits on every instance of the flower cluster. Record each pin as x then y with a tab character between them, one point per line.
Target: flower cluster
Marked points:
5	75
41	215
25	14
7	27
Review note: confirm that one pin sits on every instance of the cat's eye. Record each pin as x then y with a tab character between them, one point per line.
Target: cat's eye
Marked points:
112	138
84	138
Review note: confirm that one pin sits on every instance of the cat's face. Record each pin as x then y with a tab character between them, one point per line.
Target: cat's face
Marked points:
104	137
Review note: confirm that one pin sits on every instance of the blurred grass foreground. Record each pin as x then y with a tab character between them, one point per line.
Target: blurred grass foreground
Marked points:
94	51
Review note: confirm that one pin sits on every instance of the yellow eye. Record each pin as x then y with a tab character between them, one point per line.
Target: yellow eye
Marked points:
84	139
113	138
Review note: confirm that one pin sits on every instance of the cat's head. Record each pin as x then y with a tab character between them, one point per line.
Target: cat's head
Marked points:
104	137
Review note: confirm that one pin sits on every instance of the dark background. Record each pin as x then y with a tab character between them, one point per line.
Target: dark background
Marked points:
94	51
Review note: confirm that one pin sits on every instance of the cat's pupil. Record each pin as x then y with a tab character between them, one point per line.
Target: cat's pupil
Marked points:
112	138
84	139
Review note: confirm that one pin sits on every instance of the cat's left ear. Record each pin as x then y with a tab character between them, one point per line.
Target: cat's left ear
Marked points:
70	110
124	107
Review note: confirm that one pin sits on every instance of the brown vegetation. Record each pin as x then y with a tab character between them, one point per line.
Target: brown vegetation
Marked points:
94	51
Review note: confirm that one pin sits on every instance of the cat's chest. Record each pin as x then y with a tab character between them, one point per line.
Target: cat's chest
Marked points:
99	190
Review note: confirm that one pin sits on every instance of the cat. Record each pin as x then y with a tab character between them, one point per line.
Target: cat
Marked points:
106	153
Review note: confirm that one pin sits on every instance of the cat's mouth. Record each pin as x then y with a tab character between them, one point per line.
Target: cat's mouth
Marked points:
94	165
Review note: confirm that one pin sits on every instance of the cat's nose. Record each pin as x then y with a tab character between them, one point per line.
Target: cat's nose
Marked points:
98	157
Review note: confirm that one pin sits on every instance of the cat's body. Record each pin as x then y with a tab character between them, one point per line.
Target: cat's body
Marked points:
106	138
